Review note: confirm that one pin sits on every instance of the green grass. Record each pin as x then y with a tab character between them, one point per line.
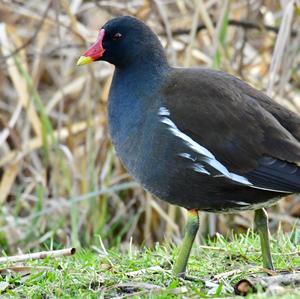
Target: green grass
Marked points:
101	273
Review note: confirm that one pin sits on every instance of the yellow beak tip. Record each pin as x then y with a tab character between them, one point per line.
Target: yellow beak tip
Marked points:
84	60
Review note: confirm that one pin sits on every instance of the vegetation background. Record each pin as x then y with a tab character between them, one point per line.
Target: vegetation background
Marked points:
61	182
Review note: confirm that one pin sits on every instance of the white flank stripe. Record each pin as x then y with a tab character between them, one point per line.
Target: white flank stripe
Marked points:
209	158
192	144
187	156
200	168
163	111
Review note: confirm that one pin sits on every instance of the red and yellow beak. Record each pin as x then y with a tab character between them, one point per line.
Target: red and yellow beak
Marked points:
95	52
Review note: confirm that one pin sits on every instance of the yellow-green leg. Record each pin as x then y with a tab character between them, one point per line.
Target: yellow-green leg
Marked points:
191	229
261	224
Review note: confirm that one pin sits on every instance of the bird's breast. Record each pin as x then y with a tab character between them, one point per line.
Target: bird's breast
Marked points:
142	141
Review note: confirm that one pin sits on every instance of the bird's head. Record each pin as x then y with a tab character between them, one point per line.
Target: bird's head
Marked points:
123	41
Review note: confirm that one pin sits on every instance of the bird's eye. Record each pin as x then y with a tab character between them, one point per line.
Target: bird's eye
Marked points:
117	36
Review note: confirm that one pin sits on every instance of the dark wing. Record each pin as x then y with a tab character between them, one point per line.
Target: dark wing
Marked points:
239	125
287	118
275	174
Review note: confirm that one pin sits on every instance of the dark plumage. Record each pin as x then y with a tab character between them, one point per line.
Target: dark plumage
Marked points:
195	137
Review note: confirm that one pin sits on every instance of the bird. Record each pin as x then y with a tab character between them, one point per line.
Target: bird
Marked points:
195	137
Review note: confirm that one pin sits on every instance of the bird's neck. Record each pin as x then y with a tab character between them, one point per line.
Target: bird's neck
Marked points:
144	67
134	92
141	77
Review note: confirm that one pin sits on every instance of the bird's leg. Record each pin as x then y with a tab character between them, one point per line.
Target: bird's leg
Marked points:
191	229
261	224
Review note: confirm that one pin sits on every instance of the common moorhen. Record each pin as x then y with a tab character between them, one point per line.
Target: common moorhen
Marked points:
195	137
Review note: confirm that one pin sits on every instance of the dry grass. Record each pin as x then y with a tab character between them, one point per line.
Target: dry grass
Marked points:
60	180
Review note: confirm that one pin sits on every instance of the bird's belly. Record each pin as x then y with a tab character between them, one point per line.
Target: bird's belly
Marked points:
154	159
